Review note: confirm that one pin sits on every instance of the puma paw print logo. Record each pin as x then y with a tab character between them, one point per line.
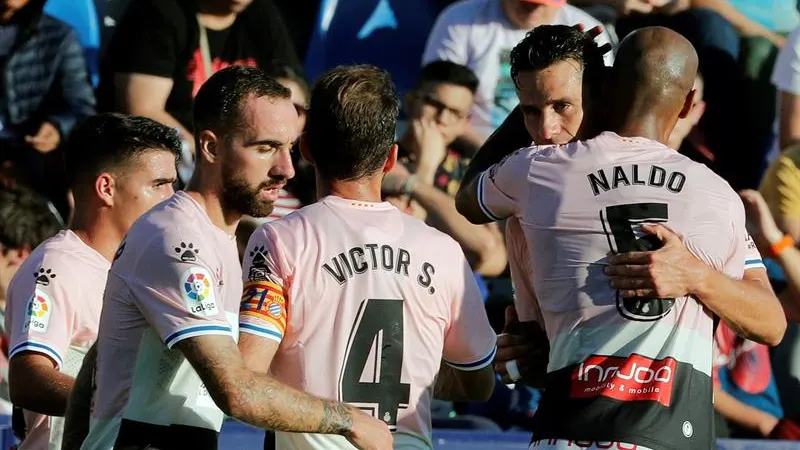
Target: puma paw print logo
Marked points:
187	252
43	276
259	255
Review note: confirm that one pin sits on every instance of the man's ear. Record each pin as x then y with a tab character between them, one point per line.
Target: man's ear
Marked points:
687	104
207	146
391	159
104	188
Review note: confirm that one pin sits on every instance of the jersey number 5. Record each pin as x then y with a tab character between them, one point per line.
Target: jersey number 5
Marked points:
619	222
377	330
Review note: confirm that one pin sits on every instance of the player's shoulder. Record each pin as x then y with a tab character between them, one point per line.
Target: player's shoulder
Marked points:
65	254
421	235
706	180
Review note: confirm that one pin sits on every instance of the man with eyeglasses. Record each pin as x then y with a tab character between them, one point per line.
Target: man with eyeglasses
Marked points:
430	171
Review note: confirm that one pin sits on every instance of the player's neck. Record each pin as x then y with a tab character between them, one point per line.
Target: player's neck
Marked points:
365	189
644	126
98	231
211	201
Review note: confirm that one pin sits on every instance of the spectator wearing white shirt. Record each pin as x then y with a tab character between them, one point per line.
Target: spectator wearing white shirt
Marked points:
479	34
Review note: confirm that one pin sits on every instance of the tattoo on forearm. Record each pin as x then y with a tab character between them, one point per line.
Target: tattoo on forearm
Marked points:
261	400
336	418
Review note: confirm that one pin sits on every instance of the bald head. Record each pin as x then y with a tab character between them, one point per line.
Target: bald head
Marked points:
653	75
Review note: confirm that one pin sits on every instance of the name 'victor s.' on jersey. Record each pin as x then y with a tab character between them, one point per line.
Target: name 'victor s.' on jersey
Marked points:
360	259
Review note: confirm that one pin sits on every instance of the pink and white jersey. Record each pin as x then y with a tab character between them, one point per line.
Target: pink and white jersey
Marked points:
176	276
622	370
53	308
519	262
366	302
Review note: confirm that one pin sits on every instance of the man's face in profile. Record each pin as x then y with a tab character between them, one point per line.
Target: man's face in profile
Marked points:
551	101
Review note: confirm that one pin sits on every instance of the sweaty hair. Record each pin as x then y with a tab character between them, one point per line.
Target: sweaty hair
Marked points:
26	219
351	122
218	104
448	72
109	141
546	45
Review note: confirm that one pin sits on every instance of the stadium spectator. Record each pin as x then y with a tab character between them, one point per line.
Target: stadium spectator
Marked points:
163	50
119	167
745	392
780	195
383	282
479	34
45	92
26	220
438	111
773	241
176	281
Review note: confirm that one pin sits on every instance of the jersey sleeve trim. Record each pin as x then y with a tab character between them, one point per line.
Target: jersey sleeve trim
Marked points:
754	263
38	347
476	365
481	203
198	330
264	332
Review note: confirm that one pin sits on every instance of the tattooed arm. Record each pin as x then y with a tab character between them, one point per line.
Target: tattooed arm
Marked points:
264	402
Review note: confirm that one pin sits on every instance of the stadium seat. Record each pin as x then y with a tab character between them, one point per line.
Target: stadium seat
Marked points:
390	34
81	15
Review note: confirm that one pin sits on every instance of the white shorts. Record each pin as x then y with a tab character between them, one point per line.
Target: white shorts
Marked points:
566	444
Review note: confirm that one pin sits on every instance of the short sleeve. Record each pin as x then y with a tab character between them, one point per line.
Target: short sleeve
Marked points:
525	300
174	285
786	72
263	310
752	257
40	315
469	342
147	39
741	240
447	39
502	188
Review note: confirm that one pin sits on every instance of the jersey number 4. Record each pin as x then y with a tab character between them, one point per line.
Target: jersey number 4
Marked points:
377	331
619	222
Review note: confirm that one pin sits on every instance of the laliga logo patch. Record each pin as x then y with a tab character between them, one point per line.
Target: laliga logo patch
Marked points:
198	292
39	309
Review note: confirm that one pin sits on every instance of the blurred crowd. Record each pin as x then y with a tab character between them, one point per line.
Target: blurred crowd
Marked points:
155	55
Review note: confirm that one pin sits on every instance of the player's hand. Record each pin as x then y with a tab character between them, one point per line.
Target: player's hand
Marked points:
594	33
46	139
668	272
761	224
530	355
369	433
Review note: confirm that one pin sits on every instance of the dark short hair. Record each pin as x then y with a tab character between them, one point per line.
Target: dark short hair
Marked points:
546	45
448	72
351	121
26	219
107	141
218	104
